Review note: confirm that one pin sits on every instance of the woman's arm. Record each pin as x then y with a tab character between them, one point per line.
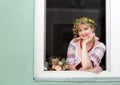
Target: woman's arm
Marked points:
71	56
86	62
96	69
96	57
71	67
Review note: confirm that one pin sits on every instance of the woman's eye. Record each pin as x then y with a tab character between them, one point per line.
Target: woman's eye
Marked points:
85	28
79	30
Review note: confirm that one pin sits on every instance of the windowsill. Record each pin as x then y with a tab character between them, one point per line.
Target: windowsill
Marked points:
77	76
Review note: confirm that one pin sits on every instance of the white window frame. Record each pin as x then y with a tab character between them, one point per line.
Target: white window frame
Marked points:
113	64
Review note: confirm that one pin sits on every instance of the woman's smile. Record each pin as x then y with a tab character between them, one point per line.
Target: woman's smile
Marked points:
85	36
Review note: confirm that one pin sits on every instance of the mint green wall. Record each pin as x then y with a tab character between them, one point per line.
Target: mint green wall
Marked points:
16	45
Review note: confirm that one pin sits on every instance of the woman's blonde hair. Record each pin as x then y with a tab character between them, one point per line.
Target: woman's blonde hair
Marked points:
83	20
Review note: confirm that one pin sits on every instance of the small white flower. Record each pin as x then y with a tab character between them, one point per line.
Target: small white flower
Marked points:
60	63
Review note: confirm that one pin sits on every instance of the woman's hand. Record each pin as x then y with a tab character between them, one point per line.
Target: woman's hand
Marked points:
96	69
76	39
91	37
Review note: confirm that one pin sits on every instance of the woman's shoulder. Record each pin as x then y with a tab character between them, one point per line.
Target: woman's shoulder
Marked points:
72	42
100	45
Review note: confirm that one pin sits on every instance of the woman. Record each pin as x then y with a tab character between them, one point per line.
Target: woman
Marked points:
85	51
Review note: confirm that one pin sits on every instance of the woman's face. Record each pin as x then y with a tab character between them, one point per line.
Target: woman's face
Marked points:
84	31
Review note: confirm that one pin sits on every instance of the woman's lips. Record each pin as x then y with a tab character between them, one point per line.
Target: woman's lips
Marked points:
85	36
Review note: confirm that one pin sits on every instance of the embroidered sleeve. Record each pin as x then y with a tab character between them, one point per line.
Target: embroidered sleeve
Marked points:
71	54
97	55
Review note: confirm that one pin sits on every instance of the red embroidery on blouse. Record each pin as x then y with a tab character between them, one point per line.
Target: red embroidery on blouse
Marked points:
90	47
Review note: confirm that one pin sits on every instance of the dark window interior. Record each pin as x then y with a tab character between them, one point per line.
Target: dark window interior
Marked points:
59	22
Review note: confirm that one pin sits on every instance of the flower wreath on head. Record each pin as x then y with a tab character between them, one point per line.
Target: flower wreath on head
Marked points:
82	21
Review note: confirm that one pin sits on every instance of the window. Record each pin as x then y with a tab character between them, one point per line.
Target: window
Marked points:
43	49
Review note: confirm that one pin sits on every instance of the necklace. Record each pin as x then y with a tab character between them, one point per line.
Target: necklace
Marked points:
90	47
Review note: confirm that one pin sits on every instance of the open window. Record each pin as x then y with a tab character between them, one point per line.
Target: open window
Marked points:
53	23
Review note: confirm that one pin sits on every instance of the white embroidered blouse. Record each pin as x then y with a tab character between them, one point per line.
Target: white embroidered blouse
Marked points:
95	55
